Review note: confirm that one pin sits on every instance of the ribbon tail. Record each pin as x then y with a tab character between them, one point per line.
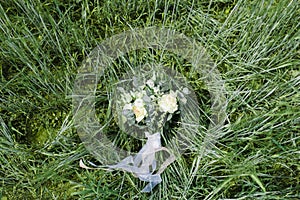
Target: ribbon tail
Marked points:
149	187
153	181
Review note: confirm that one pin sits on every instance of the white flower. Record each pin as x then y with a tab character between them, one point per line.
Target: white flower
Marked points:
139	95
126	97
186	91
139	110
150	83
127	106
156	90
139	103
168	103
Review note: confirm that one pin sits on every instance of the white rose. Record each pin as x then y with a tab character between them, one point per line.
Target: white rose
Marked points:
168	103
139	110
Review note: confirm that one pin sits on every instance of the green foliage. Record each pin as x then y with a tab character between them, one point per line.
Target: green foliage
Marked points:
255	45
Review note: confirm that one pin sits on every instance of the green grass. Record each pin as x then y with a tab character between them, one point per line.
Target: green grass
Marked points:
256	46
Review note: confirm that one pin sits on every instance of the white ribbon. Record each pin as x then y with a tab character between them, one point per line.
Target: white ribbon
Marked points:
144	164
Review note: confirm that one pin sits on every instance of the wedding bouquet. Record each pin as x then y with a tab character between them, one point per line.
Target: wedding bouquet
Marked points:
147	103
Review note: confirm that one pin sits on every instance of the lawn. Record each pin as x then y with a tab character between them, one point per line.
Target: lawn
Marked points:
255	46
